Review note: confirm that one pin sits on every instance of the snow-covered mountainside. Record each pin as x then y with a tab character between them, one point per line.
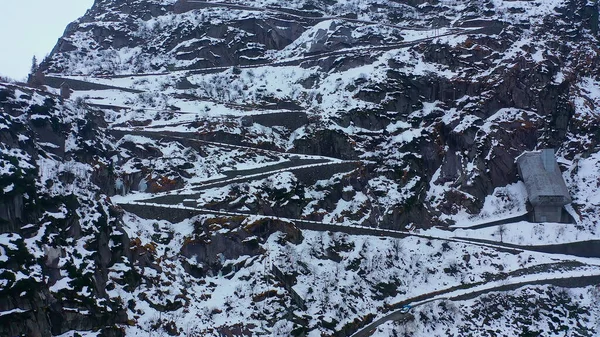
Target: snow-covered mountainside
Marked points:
302	168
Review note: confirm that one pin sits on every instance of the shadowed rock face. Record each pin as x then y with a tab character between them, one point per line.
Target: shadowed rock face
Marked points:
243	240
52	209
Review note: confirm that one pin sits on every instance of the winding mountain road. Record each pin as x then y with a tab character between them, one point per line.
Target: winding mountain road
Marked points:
279	63
462	292
173	199
178	198
297	14
475	290
165	210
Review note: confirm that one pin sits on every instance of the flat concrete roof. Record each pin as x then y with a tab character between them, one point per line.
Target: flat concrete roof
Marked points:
543	179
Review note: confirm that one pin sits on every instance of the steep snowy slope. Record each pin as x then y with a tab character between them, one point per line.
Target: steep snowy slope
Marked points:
59	234
437	108
296	168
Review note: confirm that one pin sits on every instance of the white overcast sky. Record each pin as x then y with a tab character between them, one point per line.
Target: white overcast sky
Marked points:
32	27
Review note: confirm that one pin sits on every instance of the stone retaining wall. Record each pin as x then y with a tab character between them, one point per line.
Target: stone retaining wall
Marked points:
56	82
156	212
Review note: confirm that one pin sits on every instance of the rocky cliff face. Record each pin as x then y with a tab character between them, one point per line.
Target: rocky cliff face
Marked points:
51	208
438	104
262	117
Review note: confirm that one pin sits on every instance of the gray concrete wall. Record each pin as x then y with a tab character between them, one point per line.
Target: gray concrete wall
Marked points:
288	283
310	175
544	187
507	221
544	213
56	82
573	282
589	248
289	120
173	215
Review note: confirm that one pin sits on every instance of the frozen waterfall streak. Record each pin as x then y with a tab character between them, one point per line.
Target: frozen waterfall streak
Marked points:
473	290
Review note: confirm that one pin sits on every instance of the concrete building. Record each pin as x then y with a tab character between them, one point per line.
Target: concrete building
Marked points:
546	188
65	91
